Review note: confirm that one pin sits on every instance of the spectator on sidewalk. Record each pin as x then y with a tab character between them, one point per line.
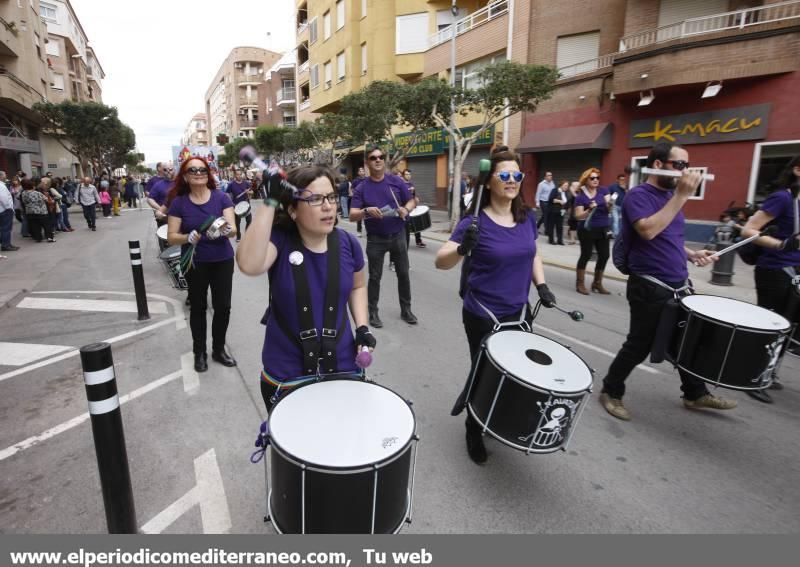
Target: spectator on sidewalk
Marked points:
617	191
543	191
53	199
105	201
89	198
6	215
344	191
67	191
35	205
16	193
361	175
555	212
130	194
115	192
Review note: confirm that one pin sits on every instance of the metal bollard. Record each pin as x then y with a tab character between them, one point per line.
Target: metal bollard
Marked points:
722	270
138	280
109	438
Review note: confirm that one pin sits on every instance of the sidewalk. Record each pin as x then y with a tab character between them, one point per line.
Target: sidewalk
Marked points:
566	257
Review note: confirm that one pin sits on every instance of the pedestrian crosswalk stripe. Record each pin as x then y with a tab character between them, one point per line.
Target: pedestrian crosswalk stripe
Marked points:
18	354
98	305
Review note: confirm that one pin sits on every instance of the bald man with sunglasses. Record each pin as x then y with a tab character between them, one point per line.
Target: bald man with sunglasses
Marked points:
384	203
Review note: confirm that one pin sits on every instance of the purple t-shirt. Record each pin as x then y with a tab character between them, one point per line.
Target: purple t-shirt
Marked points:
282	356
159	189
501	266
193	216
371	193
664	256
779	205
600	216
238	190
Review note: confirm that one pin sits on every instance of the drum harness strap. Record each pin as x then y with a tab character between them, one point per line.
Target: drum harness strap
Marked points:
686	289
521	322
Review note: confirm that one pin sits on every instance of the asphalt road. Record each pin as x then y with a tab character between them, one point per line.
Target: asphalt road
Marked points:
189	438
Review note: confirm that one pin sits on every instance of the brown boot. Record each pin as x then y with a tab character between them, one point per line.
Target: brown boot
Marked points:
597	284
580	287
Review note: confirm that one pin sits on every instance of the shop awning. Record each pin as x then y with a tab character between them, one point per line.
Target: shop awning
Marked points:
588	137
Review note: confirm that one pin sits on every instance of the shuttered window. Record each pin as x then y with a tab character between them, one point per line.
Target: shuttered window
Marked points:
578	48
673	11
328	74
314	76
339	14
340	66
312	31
411	33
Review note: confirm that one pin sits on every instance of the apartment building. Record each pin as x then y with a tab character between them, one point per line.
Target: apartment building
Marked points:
196	131
277	102
717	76
232	97
24	81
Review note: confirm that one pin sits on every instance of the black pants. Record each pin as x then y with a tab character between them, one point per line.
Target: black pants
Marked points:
377	247
542	214
774	292
555	225
593	238
38	224
417	237
248	220
646	302
219	276
90	214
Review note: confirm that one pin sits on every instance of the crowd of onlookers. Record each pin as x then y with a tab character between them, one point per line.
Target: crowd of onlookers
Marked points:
42	205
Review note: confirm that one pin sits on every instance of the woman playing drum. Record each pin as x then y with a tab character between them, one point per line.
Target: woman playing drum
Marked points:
502	263
316	271
779	262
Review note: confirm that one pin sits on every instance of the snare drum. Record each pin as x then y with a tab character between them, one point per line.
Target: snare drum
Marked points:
172	262
242	209
342	459
419	219
728	343
528	391
161	234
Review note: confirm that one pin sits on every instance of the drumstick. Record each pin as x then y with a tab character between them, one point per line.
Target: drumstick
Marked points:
484	167
766	232
670	173
364	358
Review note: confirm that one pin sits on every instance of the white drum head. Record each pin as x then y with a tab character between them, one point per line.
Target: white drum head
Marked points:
241	209
342	423
539	361
420	210
161	232
735	312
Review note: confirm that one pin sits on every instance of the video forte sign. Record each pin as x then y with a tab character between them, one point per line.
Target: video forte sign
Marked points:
728	125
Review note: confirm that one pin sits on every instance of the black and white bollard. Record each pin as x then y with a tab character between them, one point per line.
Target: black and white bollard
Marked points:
138	280
109	438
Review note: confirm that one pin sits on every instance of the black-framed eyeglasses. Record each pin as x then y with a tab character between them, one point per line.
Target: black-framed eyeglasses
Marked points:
594	178
506	176
678	164
316	199
197	170
376	158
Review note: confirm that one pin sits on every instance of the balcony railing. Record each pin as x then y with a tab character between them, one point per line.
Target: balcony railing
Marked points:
303	67
290	122
285	94
739	19
490	12
305	104
587	66
302	27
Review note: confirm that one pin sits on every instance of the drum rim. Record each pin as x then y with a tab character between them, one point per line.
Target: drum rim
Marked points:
726	323
236	206
423	209
528	385
171	258
721	384
317	467
166	230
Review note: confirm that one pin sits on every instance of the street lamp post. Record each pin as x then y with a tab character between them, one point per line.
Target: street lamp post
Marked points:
451	154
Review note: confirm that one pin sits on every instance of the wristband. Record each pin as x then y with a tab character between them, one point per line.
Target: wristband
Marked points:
270	202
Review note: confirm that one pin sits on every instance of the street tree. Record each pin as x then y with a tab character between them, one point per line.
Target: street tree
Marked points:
90	131
504	88
232	149
332	139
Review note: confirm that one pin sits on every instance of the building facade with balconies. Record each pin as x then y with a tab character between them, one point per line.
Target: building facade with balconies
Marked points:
232	97
278	93
24	81
719	77
196	131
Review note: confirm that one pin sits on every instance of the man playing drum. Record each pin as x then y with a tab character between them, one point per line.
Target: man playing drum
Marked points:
651	229
240	192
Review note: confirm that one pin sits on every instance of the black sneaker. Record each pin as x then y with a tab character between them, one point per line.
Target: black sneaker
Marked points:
475	447
200	362
408	317
375	321
9	248
761	396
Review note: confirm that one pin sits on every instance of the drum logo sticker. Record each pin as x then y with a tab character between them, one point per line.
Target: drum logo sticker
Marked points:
774	353
556	416
389	441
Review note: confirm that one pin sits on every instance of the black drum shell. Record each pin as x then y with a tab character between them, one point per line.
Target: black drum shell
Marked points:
516	415
418	223
339	501
705	346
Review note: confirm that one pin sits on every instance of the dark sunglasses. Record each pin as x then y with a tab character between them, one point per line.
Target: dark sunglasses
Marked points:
678	164
594	178
197	170
505	176
315	199
376	158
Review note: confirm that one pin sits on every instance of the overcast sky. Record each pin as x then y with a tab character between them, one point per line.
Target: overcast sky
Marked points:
160	56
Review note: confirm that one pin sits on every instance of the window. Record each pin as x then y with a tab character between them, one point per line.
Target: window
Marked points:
48	12
363	8
328	74
411	33
57	81
364	58
52	47
467	76
38	42
326	25
314	76
339	14
312	31
52	166
573	49
340	67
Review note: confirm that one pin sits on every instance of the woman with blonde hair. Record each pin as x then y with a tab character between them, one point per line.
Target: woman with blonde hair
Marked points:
592	204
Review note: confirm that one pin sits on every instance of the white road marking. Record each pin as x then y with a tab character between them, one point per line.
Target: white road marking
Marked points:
191	380
17	354
76	421
94	305
609	354
208	493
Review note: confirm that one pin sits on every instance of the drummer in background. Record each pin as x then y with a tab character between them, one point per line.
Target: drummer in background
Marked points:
779	262
502	266
156	190
298	234
240	192
417	235
651	225
193	199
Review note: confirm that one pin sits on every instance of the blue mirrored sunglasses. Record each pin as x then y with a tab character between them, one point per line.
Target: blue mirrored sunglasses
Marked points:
505	176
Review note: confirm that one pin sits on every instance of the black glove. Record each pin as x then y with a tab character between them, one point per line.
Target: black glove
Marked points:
547	297
364	338
275	185
469	241
791	244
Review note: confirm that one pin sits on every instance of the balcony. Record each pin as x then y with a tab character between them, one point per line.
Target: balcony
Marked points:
302	68
248	102
304	105
286	96
19	96
9	38
245	124
490	12
596	64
